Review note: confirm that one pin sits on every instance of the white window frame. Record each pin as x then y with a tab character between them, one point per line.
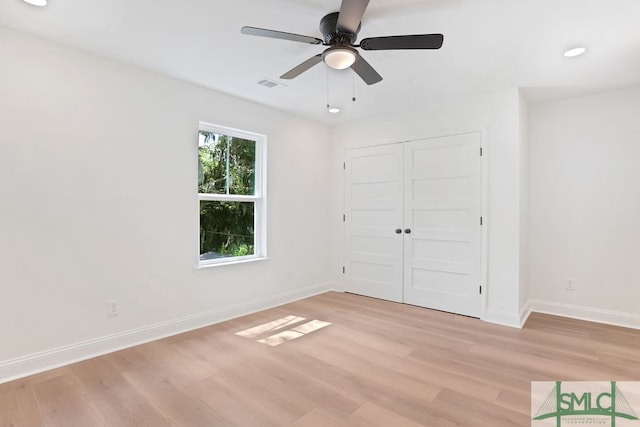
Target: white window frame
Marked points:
259	198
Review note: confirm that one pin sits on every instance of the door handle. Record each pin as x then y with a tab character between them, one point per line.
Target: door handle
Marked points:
407	230
398	230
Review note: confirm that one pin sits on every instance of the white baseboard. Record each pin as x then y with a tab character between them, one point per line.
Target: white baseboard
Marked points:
54	358
616	318
503	318
525	312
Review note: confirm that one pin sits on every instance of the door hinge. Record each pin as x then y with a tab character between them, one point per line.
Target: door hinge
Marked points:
480	220
343	269
480	151
480	289
344	218
344	166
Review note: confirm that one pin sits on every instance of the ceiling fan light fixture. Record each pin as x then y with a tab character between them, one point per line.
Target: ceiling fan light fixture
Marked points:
37	2
340	57
576	51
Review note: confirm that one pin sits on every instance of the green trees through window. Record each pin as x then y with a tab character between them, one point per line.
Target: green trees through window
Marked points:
226	172
227	164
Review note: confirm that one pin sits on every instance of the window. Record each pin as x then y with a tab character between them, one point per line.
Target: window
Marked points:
231	193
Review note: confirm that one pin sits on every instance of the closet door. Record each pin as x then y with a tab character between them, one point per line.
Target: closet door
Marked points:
373	222
442	231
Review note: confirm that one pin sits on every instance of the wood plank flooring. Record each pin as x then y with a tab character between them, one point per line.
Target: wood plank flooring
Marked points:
377	364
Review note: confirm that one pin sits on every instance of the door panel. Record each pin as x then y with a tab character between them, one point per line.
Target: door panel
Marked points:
373	210
442	206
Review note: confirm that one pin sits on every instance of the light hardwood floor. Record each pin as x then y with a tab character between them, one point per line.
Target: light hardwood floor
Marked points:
377	364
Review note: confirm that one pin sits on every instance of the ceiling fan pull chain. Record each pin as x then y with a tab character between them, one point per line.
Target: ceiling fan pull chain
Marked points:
328	103
353	83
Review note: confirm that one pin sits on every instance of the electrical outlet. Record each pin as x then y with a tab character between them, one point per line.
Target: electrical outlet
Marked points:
570	285
112	308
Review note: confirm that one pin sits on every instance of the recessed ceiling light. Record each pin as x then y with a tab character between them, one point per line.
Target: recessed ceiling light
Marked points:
334	110
37	2
576	51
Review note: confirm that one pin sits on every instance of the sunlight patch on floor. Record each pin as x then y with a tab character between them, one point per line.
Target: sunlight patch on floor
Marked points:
309	327
281	338
270	326
292	333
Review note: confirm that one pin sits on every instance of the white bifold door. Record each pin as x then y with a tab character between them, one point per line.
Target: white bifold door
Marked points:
412	222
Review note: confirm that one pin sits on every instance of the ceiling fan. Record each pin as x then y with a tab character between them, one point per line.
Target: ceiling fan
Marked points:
340	32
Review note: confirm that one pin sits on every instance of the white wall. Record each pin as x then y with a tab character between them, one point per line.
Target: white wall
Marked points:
98	185
585	206
497	114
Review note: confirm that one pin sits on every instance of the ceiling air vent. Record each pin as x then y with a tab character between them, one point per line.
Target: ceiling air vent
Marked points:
269	83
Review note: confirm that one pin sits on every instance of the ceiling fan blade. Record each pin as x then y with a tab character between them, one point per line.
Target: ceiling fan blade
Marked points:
418	41
296	71
350	15
366	71
262	32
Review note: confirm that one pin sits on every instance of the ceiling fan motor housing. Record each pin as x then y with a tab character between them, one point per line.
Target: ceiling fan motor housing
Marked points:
331	35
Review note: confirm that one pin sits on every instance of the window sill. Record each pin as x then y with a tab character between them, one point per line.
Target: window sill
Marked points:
230	262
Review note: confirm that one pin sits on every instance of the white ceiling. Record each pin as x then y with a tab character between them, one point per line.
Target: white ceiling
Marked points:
489	44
